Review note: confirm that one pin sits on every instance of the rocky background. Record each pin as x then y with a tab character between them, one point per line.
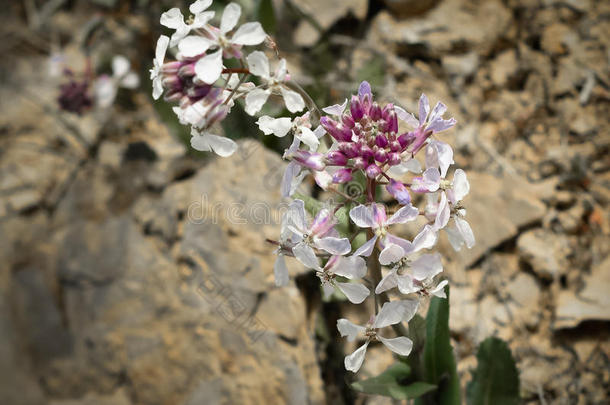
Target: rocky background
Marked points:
133	271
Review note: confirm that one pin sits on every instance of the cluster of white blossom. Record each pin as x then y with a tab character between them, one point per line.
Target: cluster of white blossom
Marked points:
361	139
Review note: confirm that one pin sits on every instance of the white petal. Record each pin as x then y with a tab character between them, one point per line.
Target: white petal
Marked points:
293	100
427	266
280	271
367	248
412	165
461	187
355	293
120	66
230	16
404	215
391	254
201	19
200	143
405	116
130	81
328	289
406	285
353	362
258	64
105	91
335	246
209	67
161	49
425	239
296	215
400	345
292	170
438	111
280	71
349	329
199	5
172	18
439	154
276	126
193	45
306	255
443	213
310	139
394	312
350	267
439	290
255	100
323	179
251	33
222	146
388	282
464	228
336	109
424	109
362	216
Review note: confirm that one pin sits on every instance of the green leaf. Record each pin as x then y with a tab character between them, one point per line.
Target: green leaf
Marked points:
266	16
439	363
496	379
390	384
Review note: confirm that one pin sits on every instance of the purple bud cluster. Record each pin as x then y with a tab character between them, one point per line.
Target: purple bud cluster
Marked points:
368	137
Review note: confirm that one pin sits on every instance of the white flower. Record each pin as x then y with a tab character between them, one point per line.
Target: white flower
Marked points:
209	67
409	275
174	19
206	142
449	207
258	65
106	87
155	72
374	216
320	235
390	314
352	267
300	126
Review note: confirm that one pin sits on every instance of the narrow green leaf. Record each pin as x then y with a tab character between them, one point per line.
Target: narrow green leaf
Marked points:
439	363
266	15
390	383
496	379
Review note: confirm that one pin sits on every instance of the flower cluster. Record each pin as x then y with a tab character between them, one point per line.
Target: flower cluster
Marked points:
364	145
198	79
79	93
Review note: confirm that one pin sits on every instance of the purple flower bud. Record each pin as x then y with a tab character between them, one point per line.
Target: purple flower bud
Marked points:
197	92
348	121
187	70
375	112
359	163
364	88
342	176
337	130
365	101
391	122
366	152
356	109
313	161
381	141
373	171
395	146
172	82
381	156
406	139
349	149
171	67
174	95
399	192
394	158
336	158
